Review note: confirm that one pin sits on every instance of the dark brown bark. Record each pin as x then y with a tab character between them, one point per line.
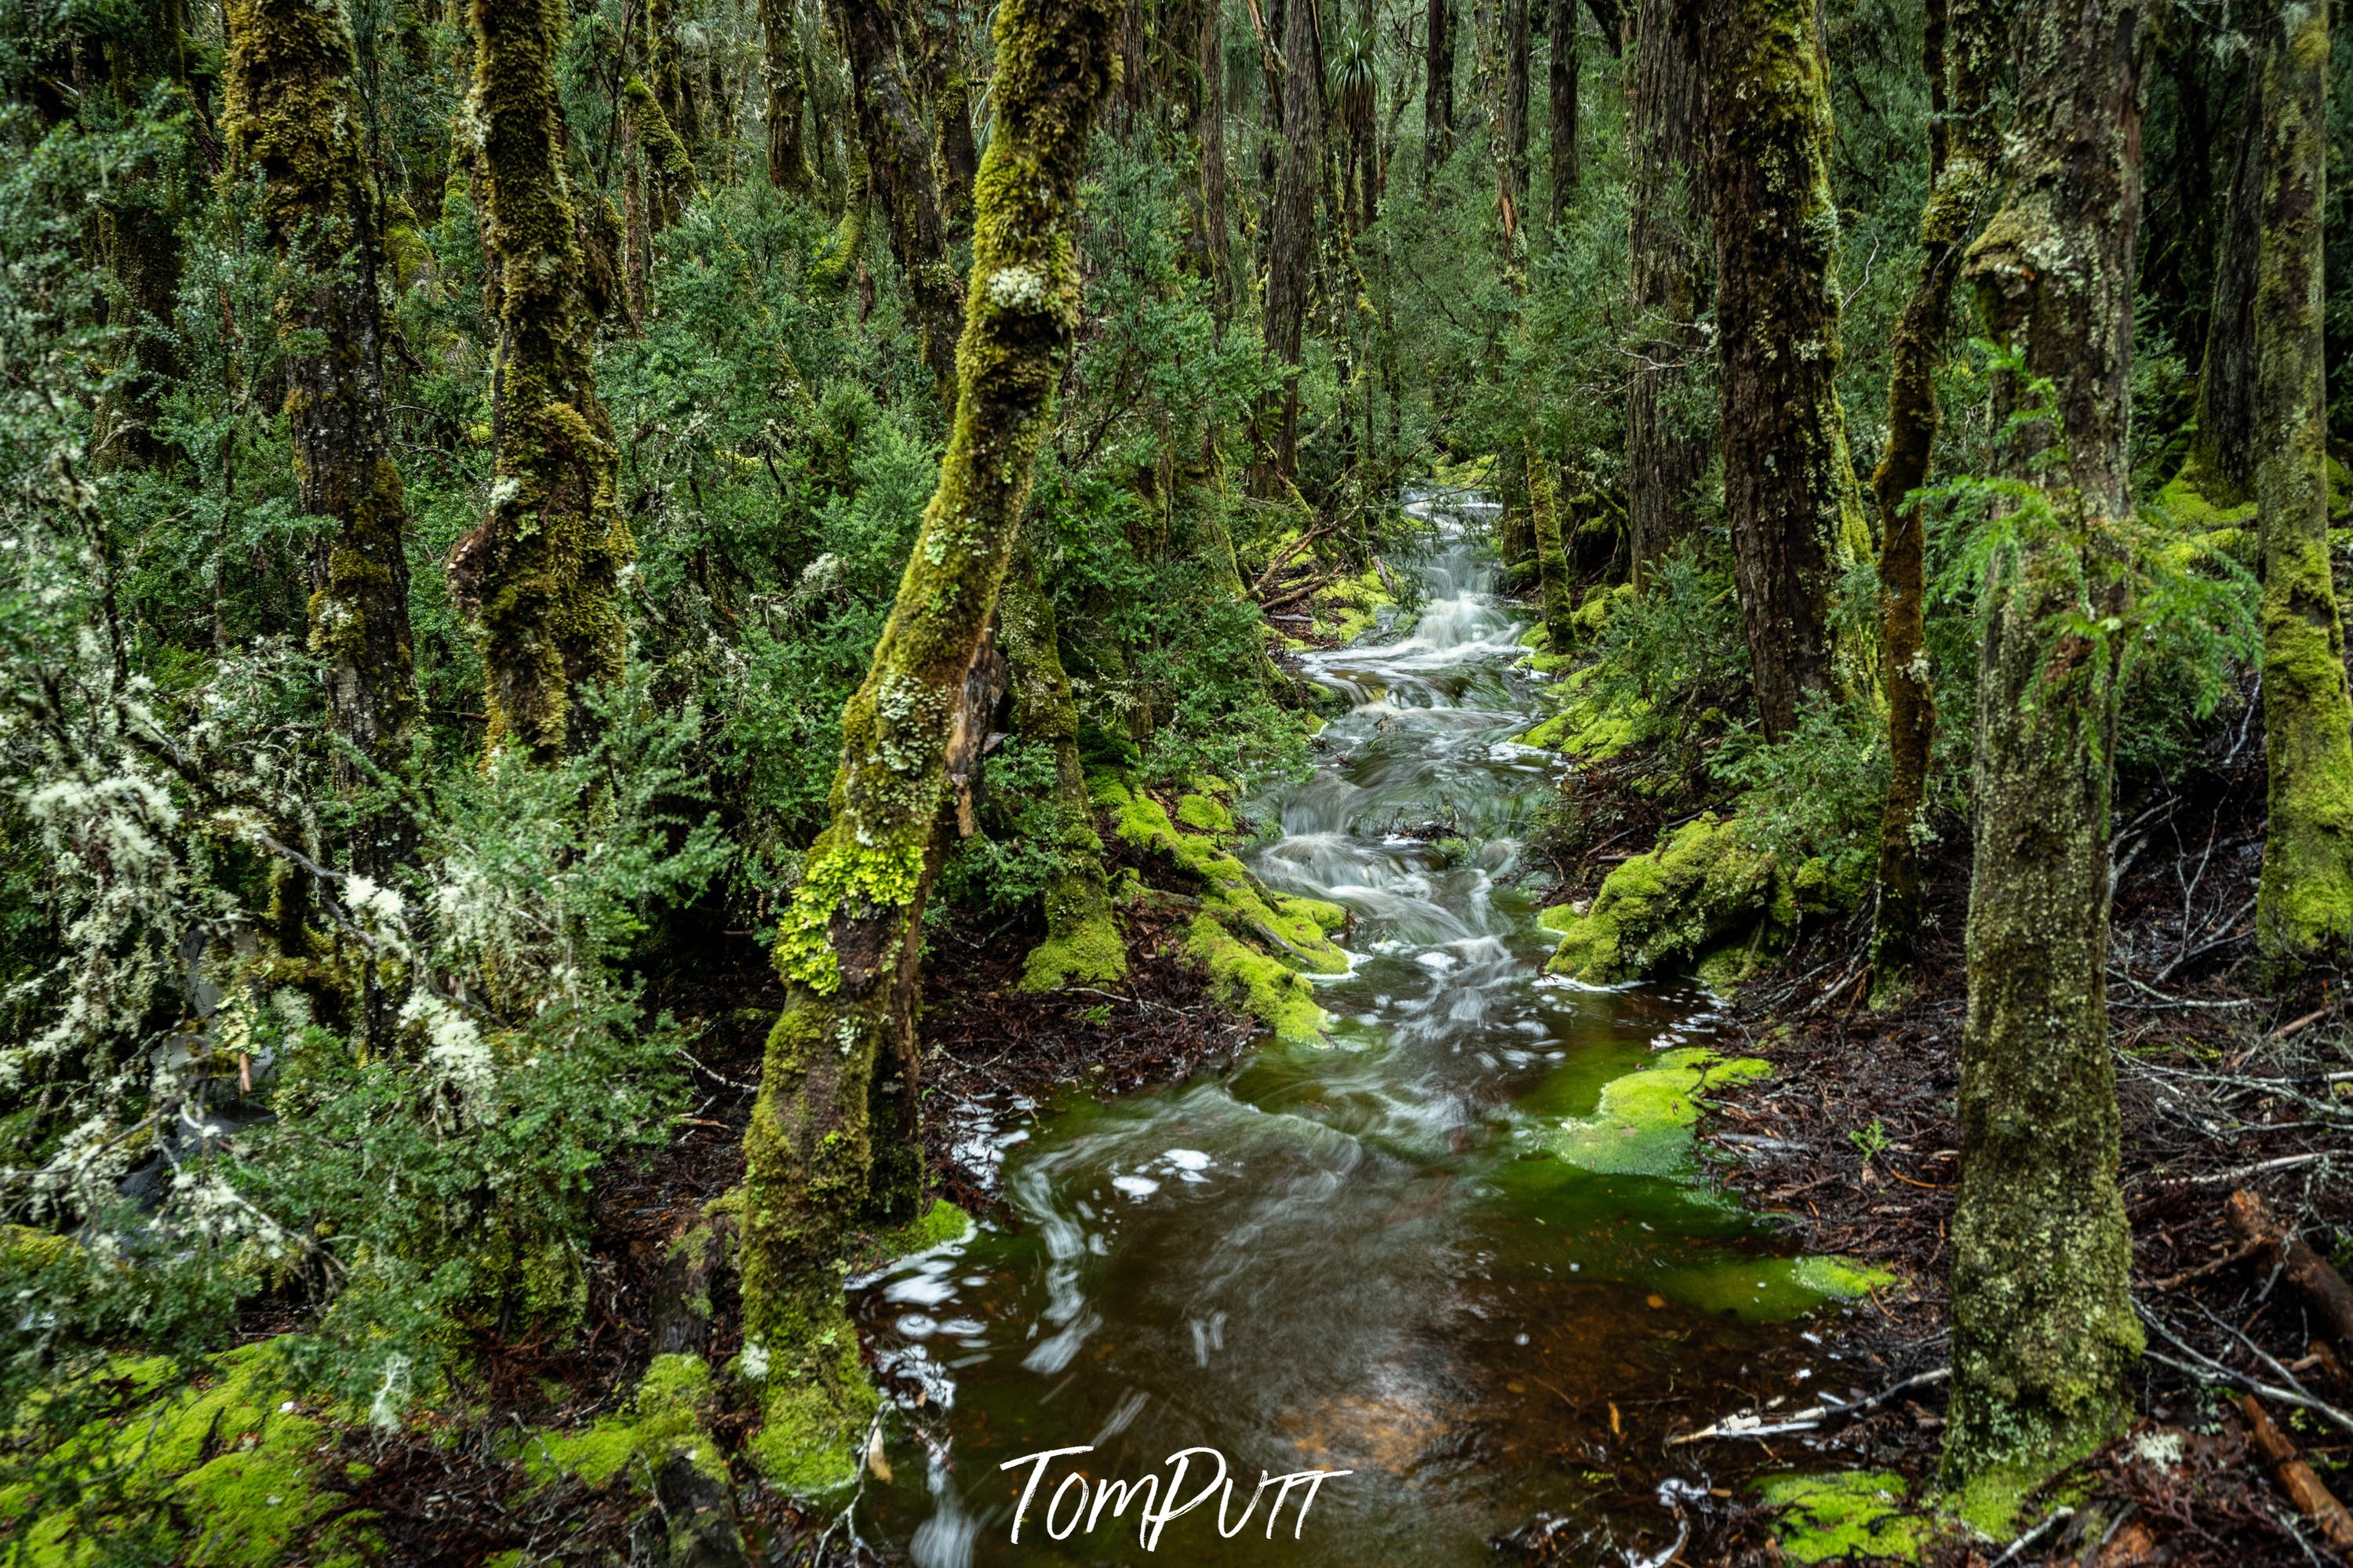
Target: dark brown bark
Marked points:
1512	170
947	92
1211	61
292	119
1561	84
1788	487
1438	93
899	171
1290	259
2222	451
2043	1327
1960	47
787	77
1670	427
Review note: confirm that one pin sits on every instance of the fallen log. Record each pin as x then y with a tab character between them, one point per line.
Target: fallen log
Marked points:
2323	1288
2295	1478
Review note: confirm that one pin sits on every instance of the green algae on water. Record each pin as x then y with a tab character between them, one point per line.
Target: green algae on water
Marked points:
1643	1125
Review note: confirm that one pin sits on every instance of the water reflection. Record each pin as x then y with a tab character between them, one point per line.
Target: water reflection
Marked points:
1356	1257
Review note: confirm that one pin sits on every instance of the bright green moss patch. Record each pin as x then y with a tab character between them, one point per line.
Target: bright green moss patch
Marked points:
1559	917
667	1418
1643	1125
1708	893
1769	1289
1276	995
229	1459
1204	814
1090	952
1352	607
935	1226
1837	1518
1255	944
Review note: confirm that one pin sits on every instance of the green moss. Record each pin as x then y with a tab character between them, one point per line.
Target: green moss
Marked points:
1708	893
935	1226
1276	995
229	1459
1644	1124
1204	814
668	1417
1254	943
1769	1289
1090	952
1844	1516
1558	918
1352	607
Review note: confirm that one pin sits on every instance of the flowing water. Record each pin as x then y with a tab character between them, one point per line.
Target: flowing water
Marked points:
1361	1257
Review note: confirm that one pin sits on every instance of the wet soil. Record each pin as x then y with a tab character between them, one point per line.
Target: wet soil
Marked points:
2206	1059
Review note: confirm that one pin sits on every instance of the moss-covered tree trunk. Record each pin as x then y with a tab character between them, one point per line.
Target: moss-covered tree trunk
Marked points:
1291	253
673	85
1082	943
1552	557
541	576
1437	90
2306	894
1962	44
785	75
292	123
2043	1320
2222	449
850	940
668	169
1789	491
1670	423
947	94
899	174
1561	71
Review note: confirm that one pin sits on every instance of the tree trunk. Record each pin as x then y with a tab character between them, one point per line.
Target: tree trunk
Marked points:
1561	84
786	75
2043	1328
1511	165
899	171
1552	557
2306	894
292	119
948	89
1211	59
674	88
1291	255
541	576
668	169
1083	944
1789	491
1670	428
1438	92
2222	449
1962	50
851	940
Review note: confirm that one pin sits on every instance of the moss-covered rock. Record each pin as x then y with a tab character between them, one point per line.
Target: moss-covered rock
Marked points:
1257	945
235	1459
1710	896
1644	1124
1842	1517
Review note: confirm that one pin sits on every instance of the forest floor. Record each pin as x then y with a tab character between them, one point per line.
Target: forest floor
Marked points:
1852	1141
457	1488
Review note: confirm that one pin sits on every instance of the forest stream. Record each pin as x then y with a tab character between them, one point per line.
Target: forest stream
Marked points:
1373	1257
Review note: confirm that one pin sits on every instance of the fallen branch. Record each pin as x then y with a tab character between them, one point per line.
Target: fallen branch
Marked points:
2208	1370
2304	1488
1749	1424
2058	1516
2175	1281
2323	1288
